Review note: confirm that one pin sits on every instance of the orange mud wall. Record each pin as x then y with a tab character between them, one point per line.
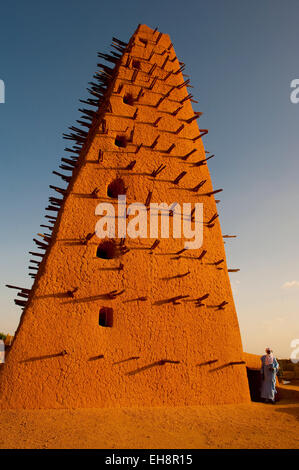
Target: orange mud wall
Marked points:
158	352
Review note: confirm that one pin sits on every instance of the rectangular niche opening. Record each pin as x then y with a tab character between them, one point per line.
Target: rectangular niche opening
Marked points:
106	317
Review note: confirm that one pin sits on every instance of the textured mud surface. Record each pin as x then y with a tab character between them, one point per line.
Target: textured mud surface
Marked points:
243	426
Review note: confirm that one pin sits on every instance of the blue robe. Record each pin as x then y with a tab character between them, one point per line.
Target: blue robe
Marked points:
268	373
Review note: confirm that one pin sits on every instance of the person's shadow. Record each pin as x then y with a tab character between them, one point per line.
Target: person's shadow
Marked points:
289	396
294	411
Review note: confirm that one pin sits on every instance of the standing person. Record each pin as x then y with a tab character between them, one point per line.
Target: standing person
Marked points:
269	369
2	352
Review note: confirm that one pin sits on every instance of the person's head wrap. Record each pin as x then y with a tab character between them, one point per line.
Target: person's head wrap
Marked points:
269	357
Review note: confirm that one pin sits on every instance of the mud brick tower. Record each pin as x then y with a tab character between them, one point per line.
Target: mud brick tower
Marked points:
128	322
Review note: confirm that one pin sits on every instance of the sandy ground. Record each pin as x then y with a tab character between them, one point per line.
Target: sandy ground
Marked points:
254	425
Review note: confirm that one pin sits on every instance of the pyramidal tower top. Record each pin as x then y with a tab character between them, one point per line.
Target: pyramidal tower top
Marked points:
137	316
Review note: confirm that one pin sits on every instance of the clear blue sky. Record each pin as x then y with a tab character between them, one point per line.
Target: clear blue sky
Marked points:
242	56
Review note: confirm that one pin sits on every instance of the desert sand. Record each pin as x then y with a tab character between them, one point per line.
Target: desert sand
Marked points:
243	426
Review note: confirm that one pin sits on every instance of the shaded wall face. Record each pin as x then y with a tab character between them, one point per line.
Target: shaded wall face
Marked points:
157	352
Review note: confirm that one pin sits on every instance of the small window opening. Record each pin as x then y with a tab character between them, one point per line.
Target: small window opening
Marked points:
136	64
106	317
116	188
107	250
128	99
121	141
144	41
